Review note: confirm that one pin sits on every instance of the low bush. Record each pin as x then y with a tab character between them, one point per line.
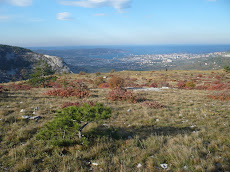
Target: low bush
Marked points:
75	89
120	94
163	84
18	87
103	85
181	84
190	84
82	73
153	104
116	82
154	85
99	80
65	129
224	96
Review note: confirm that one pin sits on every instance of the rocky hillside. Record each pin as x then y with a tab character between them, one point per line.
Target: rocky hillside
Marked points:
17	62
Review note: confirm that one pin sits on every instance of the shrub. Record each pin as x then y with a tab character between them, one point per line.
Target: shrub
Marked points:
227	68
82	73
99	80
116	82
181	84
163	84
41	75
98	73
112	71
153	104
120	94
103	85
18	87
224	96
154	85
190	84
62	130
199	75
201	87
75	88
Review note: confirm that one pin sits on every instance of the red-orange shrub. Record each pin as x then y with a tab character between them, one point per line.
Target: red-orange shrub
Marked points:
18	87
119	94
75	88
224	96
154	85
181	84
153	104
103	85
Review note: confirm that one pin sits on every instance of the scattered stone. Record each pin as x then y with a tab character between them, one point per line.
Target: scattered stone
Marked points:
95	164
22	110
157	120
34	113
185	167
36	108
104	77
180	114
164	166
164	87
21	102
31	117
192	126
129	110
8	106
139	165
106	125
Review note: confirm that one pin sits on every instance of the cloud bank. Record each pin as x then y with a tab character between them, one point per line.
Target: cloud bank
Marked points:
117	4
64	16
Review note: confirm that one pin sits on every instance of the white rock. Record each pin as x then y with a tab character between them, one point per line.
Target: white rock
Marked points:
95	164
104	77
185	167
139	165
21	102
164	166
129	110
22	110
34	112
157	120
180	114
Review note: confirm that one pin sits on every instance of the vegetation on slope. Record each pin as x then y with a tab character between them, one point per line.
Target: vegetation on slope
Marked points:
184	126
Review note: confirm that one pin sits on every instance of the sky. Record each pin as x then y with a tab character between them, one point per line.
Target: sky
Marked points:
44	23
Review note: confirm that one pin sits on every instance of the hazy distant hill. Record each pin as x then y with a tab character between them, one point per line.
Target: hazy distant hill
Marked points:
16	62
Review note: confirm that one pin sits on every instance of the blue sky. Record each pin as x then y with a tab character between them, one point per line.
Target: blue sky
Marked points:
114	22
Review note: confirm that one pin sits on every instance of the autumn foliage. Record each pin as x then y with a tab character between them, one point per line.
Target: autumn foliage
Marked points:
74	89
120	94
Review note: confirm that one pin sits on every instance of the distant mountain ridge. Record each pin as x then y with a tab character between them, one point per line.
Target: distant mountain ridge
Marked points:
16	61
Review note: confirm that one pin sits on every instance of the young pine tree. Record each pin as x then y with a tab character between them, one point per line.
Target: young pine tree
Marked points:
41	75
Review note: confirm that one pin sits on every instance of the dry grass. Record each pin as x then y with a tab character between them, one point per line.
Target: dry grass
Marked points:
191	132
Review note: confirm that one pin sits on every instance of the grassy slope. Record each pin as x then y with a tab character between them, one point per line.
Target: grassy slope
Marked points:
192	132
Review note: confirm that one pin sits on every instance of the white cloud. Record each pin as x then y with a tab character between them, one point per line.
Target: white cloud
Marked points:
21	3
64	16
117	4
99	14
